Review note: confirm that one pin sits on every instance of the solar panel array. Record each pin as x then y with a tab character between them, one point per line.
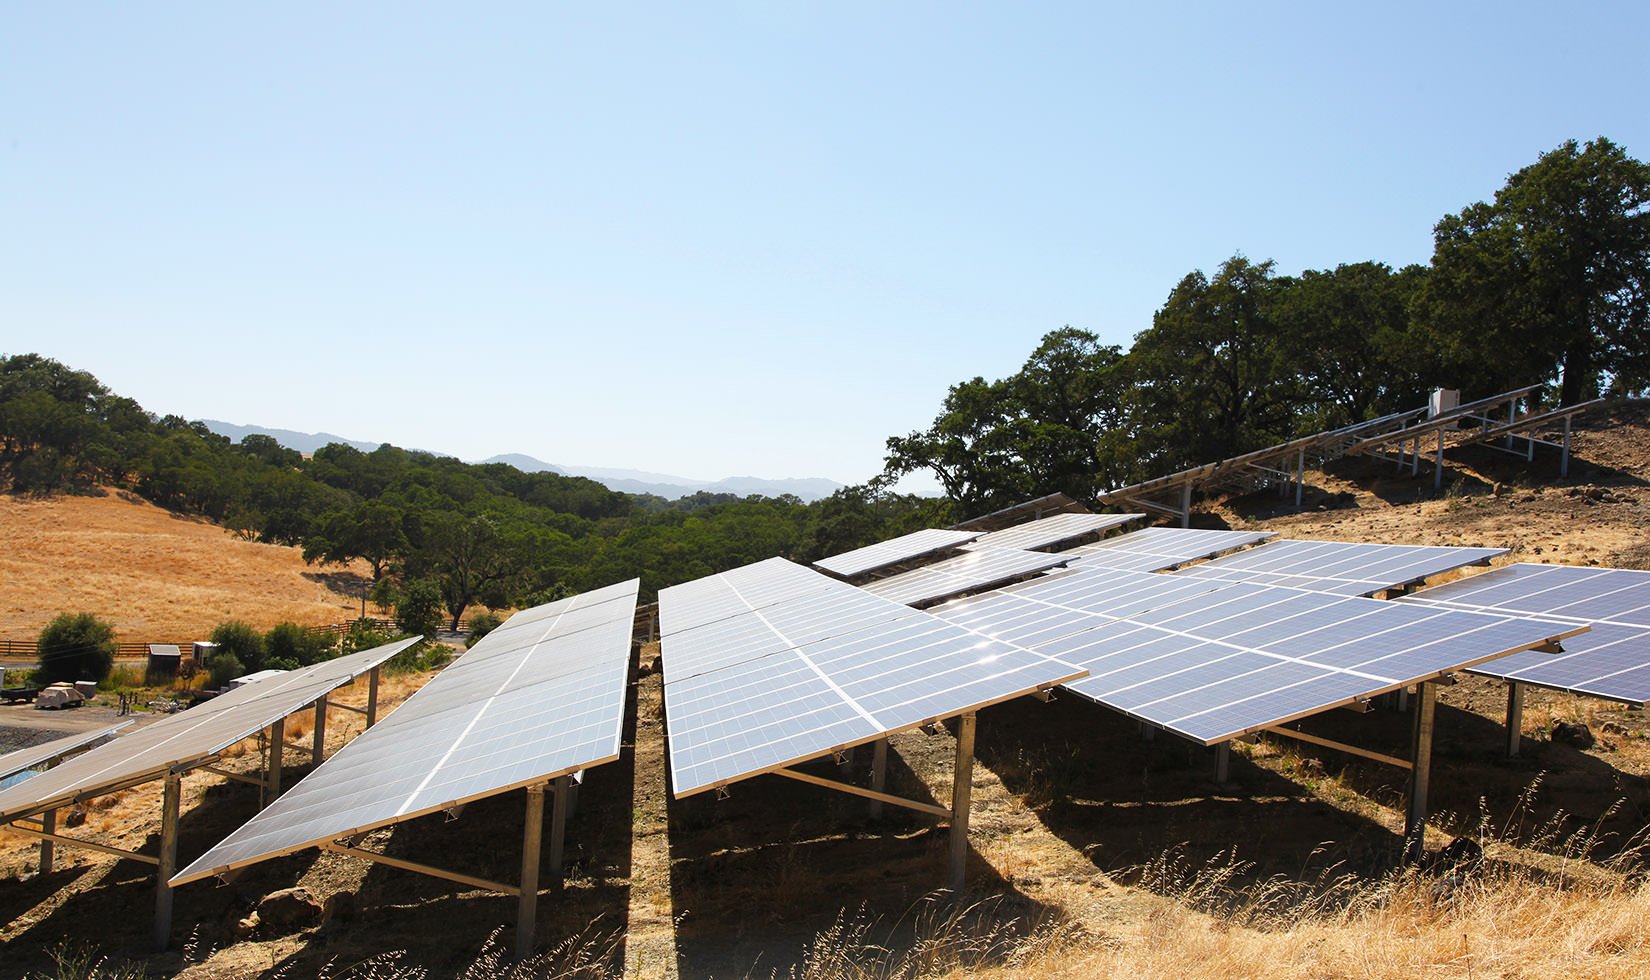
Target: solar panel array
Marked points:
1610	661
188	737
13	763
970	571
1213	660
1340	567
772	663
541	696
1156	549
894	551
1048	532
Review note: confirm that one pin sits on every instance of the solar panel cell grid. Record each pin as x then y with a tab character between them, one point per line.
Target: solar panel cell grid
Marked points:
1338	567
1049	532
849	564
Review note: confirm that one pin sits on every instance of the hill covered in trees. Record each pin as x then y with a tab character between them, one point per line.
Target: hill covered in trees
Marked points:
1548	282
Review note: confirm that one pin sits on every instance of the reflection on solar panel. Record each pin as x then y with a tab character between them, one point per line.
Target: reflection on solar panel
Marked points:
970	571
13	763
894	551
539	697
190	737
1050	532
1213	660
771	664
1156	549
1611	661
1340	567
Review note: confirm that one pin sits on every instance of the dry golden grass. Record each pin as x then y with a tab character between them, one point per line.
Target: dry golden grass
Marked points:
157	576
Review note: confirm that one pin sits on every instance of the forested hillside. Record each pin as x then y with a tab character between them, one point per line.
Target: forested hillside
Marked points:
1550	282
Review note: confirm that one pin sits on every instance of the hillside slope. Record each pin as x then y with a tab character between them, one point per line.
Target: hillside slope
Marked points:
156	575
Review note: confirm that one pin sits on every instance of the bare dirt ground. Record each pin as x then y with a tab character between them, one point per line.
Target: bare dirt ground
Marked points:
157	576
1093	851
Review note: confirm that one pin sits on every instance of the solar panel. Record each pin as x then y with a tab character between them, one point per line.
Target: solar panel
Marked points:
188	737
1157	549
1049	532
539	697
1214	660
970	571
1340	567
13	763
829	667
1610	661
904	548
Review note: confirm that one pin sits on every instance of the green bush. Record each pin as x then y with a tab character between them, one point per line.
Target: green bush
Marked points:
242	642
364	634
223	667
289	646
76	647
480	625
418	609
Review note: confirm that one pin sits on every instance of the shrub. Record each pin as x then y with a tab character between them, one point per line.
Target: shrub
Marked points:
242	642
418	608
223	667
480	625
364	634
74	647
288	645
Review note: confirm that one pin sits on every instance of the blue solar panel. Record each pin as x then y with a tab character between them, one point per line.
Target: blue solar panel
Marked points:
1157	549
1212	660
1611	661
1339	567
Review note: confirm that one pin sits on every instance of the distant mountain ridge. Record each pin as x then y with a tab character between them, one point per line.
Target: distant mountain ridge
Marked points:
623	480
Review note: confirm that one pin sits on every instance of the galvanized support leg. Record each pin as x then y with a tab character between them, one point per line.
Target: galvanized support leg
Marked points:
572	797
879	774
527	907
48	824
1223	762
1300	477
558	828
1564	461
1415	821
1186	505
1147	732
1515	718
272	778
170	804
1415	457
1438	463
962	795
372	697
1512	416
318	748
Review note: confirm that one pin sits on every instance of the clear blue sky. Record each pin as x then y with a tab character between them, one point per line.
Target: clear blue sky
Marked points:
720	239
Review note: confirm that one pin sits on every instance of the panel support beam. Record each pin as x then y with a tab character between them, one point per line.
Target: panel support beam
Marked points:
1186	504
527	909
48	825
167	865
1223	763
1515	718
239	777
372	697
423	869
1330	743
272	773
852	790
1415	822
560	808
962	795
87	845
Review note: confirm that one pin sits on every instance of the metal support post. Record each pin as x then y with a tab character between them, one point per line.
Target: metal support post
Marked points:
1148	733
1515	718
1438	463
527	906
318	750
1223	762
277	743
48	825
1415	457
558	827
1512	417
1564	461
1300	477
1415	821
372	697
170	803
1186	504
962	794
879	774
1401	696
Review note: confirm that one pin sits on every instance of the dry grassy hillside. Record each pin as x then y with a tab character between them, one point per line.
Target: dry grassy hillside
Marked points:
1094	853
154	574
